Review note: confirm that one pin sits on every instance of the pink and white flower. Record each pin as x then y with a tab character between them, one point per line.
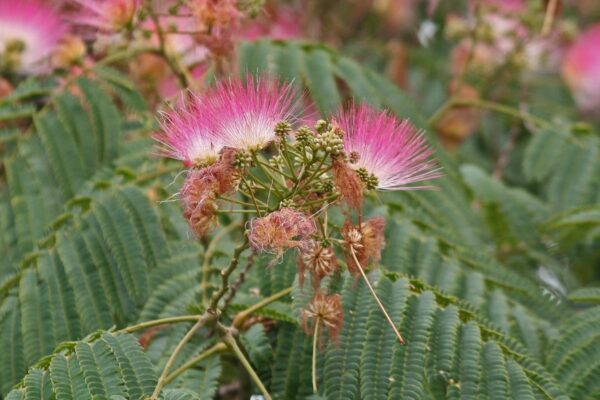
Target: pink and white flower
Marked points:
233	114
244	114
391	150
581	69
29	32
189	136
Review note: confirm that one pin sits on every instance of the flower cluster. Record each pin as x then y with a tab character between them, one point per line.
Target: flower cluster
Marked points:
247	153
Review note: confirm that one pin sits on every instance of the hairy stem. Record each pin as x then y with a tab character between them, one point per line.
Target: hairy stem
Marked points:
235	260
209	253
233	288
243	315
217	348
231	343
157	322
314	356
387	316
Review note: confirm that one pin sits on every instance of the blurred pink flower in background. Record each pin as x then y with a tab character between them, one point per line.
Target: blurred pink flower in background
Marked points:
581	70
216	21
279	23
180	43
29	32
105	15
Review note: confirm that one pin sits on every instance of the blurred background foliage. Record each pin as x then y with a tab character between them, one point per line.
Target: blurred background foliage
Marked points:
494	277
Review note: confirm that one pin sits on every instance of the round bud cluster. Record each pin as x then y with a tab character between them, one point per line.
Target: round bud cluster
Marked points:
286	203
324	185
242	160
276	161
322	126
330	142
368	179
304	135
282	129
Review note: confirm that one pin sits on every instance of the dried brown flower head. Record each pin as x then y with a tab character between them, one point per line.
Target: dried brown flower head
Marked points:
202	188
318	259
327	310
366	242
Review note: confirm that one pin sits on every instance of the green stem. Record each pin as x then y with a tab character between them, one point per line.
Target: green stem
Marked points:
286	157
251	192
305	183
231	343
163	376
314	356
440	112
487	105
501	108
217	348
243	315
124	54
278	171
162	321
236	211
319	201
235	201
155	174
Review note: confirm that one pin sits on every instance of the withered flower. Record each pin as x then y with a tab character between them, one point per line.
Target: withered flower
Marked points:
363	243
318	259
327	312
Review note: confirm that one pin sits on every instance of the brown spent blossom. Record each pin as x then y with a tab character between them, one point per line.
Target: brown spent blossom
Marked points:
327	310
366	242
348	182
201	189
281	230
319	260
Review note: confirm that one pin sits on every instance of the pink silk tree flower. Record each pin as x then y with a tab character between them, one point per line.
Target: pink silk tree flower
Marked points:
188	135
581	70
106	15
388	153
29	32
244	114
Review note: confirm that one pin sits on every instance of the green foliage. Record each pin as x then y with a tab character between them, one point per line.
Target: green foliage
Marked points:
88	246
105	365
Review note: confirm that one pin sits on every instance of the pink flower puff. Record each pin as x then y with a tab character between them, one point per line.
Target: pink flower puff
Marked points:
392	151
581	69
236	114
187	134
29	32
